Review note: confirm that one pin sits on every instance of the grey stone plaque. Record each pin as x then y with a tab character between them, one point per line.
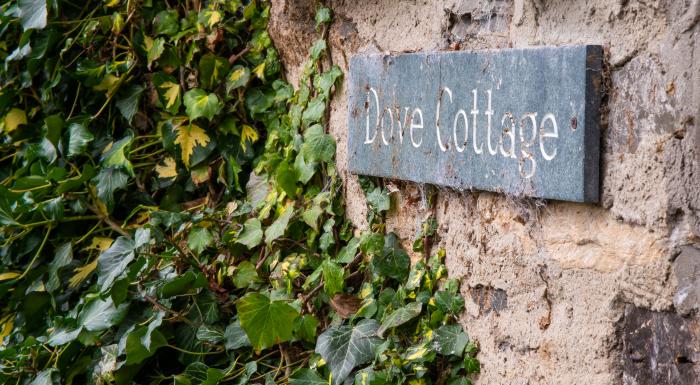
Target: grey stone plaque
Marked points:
518	121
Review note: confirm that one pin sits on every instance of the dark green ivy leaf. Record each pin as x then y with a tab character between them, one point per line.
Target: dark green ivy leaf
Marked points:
393	262
78	138
306	377
166	22
345	347
235	336
108	181
449	340
128	104
400	316
113	261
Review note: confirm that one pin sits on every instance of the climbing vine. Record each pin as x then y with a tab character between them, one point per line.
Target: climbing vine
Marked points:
171	212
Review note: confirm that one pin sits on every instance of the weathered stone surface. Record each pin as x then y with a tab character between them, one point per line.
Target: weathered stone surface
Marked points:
659	348
687	269
519	121
488	298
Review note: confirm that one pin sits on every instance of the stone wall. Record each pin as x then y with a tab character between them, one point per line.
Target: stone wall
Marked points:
556	292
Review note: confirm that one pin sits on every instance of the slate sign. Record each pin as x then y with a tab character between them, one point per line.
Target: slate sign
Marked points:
518	121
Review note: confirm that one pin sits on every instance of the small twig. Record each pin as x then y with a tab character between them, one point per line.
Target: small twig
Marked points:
106	219
261	259
232	59
311	294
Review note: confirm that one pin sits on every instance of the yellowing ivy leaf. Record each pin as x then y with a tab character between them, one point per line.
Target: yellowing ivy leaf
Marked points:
108	83
81	273
14	119
168	169
154	48
200	174
99	243
6	324
172	92
188	136
248	133
8	275
210	17
259	71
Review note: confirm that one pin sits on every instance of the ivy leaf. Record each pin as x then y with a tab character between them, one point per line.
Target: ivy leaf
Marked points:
100	315
310	217
286	178
32	14
108	181
248	135
154	48
252	233
81	273
372	244
306	376
471	365
347	253
78	139
199	239
345	347
333	277
209	17
235	336
45	377
305	328
168	169
378	200
136	352
182	284
323	16
168	91
400	316
238	77
200	104
14	118
265	322
166	22
318	146
393	262
210	334
212	70
188	137
314	111
129	103
279	226
116	157
326	80
257	101
449	303
449	339
318	48
245	275
64	256
112	263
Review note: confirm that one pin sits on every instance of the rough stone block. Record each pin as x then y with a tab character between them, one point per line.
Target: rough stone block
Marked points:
659	348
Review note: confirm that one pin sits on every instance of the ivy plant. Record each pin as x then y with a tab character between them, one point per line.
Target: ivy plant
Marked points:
171	211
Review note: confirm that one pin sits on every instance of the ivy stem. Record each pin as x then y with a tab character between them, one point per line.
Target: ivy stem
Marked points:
38	252
69	219
194	353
